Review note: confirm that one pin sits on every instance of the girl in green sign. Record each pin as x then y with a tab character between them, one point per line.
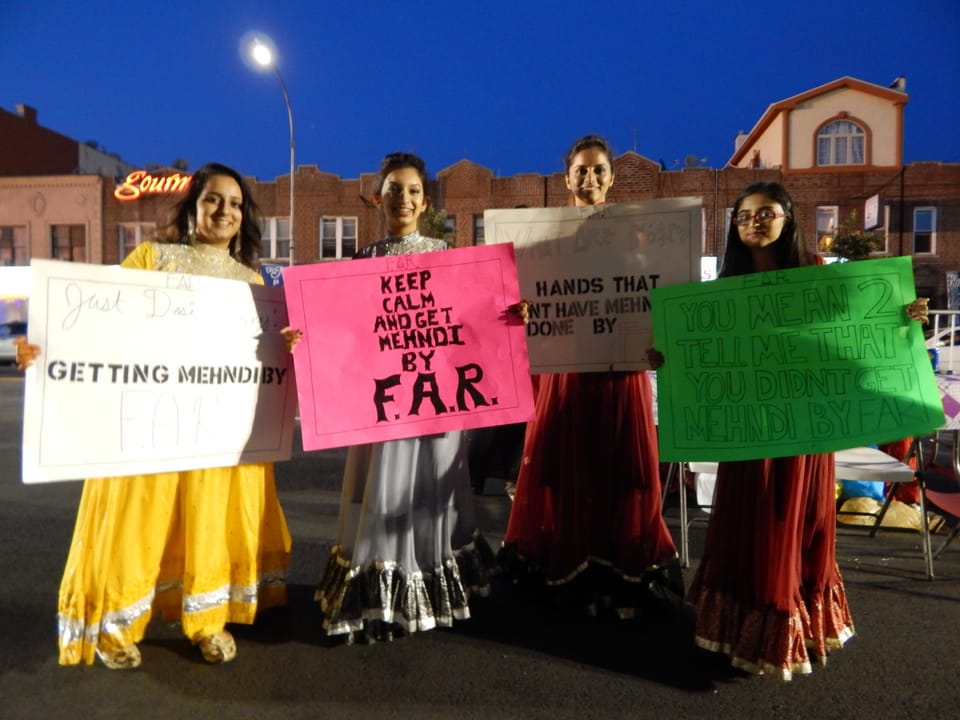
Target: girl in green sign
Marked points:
768	590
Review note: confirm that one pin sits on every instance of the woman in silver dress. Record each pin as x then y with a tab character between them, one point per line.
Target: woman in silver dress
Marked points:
408	553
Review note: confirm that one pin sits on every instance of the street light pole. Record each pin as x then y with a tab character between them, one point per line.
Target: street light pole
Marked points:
261	50
286	99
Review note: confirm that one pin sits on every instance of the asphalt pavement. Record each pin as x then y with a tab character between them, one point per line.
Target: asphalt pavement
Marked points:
516	658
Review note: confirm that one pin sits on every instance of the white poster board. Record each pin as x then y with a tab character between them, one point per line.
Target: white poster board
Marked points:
143	372
588	272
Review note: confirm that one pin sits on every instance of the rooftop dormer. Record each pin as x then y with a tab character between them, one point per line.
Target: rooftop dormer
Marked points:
847	123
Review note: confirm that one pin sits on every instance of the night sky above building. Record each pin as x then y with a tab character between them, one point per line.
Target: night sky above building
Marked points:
508	85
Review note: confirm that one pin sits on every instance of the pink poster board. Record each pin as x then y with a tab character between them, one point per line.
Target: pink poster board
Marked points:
408	345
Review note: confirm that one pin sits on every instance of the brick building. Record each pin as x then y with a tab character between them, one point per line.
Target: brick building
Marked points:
28	148
838	148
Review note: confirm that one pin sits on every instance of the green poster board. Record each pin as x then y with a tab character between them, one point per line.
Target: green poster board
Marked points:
800	361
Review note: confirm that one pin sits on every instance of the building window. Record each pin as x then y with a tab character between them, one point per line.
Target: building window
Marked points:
68	242
338	237
827	217
478	236
840	143
450	229
275	238
924	230
13	245
129	235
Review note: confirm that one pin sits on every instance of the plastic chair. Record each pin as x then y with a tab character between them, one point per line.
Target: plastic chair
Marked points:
676	471
946	499
704	490
867	463
925	451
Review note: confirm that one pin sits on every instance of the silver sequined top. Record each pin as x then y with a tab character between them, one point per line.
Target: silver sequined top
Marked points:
196	259
406	245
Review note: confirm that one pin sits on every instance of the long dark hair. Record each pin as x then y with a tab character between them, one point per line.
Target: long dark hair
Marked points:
245	247
788	249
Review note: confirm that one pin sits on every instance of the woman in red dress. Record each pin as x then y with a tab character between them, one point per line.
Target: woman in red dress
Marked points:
768	590
586	516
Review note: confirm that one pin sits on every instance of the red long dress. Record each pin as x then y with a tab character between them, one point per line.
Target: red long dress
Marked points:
588	491
768	588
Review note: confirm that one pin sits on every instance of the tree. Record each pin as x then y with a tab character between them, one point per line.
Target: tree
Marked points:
180	164
853	242
433	223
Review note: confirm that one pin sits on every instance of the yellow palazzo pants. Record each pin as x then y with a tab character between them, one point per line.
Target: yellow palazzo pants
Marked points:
205	547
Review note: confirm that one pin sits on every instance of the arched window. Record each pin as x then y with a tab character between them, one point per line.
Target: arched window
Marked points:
840	142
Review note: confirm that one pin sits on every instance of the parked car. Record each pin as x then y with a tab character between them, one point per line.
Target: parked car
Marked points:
946	341
8	331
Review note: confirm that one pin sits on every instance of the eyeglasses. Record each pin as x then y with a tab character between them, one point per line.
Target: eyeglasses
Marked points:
763	215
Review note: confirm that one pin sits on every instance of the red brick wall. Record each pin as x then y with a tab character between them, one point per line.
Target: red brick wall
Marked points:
29	149
318	195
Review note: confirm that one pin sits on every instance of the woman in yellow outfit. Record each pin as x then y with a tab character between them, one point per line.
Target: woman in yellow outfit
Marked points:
205	547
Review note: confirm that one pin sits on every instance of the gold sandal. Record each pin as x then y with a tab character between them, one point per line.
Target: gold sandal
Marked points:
218	648
123	659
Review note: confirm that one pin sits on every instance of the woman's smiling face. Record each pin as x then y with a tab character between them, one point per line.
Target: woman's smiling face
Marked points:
590	176
403	199
219	211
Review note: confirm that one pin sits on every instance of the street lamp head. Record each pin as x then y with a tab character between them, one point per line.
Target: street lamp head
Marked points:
258	51
261	54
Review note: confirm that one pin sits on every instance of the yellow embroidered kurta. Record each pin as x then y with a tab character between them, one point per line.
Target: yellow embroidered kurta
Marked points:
205	547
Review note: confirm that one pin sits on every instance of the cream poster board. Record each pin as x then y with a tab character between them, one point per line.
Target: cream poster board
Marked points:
588	273
144	372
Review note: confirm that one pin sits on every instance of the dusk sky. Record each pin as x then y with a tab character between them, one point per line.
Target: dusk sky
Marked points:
508	85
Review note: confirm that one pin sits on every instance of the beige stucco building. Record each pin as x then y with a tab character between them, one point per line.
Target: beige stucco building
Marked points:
846	123
51	216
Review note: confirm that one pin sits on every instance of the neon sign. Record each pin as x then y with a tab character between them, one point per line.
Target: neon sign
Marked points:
140	182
